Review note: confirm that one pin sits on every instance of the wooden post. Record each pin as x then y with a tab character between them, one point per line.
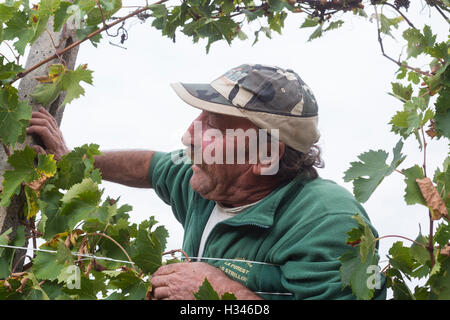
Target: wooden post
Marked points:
45	46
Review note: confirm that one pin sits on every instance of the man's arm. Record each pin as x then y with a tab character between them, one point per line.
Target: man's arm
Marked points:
128	167
125	167
178	281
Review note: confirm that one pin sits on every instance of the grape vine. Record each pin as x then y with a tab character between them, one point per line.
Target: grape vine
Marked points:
92	251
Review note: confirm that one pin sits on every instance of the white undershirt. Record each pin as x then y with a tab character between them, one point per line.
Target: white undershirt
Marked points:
219	214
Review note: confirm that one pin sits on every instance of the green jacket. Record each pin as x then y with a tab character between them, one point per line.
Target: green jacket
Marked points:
291	240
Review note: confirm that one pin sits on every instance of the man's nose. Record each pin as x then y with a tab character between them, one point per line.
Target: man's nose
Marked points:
188	138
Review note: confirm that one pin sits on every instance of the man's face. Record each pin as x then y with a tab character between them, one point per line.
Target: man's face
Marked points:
216	154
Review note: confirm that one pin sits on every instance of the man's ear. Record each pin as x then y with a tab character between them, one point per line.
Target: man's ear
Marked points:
269	165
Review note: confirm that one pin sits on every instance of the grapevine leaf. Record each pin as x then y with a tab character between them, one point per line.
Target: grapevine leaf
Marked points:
24	171
61	15
310	22
317	33
148	249
7	10
372	165
367	239
51	222
80	201
89	287
401	258
132	287
419	253
46	94
386	24
404	123
440	281
40	19
46	165
206	292
60	79
394	280
412	191
18	27
8	70
442	180
7	255
14	117
401	92
442	116
442	235
109	7
31	206
85	190
45	266
4	239
356	261
439	50
354	272
159	10
418	41
76	165
71	83
413	77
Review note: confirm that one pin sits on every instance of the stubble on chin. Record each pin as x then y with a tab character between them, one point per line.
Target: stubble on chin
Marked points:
201	183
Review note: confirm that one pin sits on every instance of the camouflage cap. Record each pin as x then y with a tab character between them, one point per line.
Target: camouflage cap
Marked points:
270	97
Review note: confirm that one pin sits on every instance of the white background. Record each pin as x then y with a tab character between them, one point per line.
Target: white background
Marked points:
131	105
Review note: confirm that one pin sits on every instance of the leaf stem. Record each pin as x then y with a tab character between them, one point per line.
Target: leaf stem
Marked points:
178	250
398	236
441	12
115	242
6	149
401	65
430	240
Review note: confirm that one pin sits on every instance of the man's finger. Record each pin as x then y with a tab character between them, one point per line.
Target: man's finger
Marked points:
44	114
159	281
42	132
161	293
38	149
42	122
168	269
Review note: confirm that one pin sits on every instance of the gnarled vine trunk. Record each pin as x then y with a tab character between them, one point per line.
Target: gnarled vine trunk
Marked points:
45	46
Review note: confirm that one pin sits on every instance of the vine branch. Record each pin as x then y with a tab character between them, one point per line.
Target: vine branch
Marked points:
401	13
401	65
77	43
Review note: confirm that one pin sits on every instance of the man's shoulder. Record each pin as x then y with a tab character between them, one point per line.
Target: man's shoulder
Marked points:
320	198
323	190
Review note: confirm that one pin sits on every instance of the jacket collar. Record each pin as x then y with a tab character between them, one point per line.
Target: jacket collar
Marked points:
263	212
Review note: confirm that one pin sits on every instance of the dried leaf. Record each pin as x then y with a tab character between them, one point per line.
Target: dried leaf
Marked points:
432	198
36	185
431	132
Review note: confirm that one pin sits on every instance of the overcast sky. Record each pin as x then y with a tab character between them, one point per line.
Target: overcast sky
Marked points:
132	106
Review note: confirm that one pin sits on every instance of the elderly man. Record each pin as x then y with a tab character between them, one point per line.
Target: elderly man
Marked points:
259	222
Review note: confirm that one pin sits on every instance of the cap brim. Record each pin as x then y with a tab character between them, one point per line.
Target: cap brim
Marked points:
205	97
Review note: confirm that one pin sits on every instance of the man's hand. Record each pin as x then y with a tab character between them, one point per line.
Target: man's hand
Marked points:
44	125
179	281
